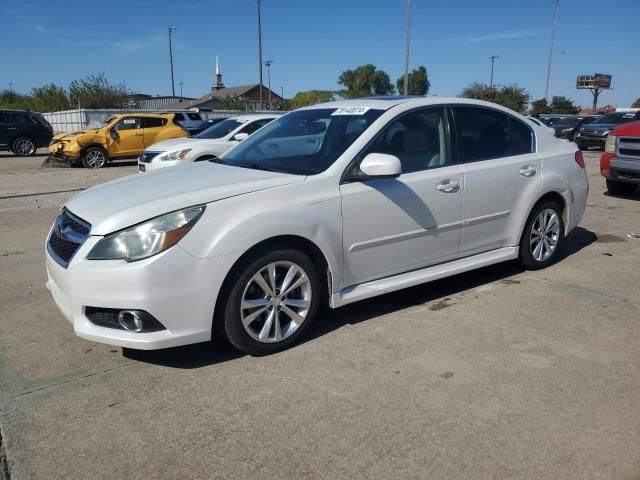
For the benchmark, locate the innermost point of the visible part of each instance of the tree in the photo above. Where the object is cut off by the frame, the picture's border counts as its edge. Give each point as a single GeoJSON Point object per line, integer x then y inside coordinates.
{"type": "Point", "coordinates": [49, 98]}
{"type": "Point", "coordinates": [234, 102]}
{"type": "Point", "coordinates": [510, 96]}
{"type": "Point", "coordinates": [418, 82]}
{"type": "Point", "coordinates": [562, 105]}
{"type": "Point", "coordinates": [311, 97]}
{"type": "Point", "coordinates": [540, 107]}
{"type": "Point", "coordinates": [95, 91]}
{"type": "Point", "coordinates": [636, 104]}
{"type": "Point", "coordinates": [11, 99]}
{"type": "Point", "coordinates": [365, 81]}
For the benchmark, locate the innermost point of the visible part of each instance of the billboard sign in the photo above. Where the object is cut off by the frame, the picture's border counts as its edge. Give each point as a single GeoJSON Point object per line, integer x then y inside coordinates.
{"type": "Point", "coordinates": [602, 80]}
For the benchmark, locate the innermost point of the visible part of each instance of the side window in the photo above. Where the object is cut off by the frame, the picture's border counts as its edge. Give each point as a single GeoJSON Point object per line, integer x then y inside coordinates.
{"type": "Point", "coordinates": [179, 117]}
{"type": "Point", "coordinates": [152, 122]}
{"type": "Point", "coordinates": [194, 116]}
{"type": "Point", "coordinates": [22, 118]}
{"type": "Point", "coordinates": [418, 139]}
{"type": "Point", "coordinates": [129, 123]}
{"type": "Point", "coordinates": [4, 117]}
{"type": "Point", "coordinates": [482, 133]}
{"type": "Point", "coordinates": [254, 126]}
{"type": "Point", "coordinates": [522, 137]}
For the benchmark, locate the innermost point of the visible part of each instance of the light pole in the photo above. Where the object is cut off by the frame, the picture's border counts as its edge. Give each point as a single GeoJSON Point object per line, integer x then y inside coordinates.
{"type": "Point", "coordinates": [180, 83]}
{"type": "Point", "coordinates": [267, 63]}
{"type": "Point", "coordinates": [553, 41]}
{"type": "Point", "coordinates": [260, 51]}
{"type": "Point", "coordinates": [173, 85]}
{"type": "Point", "coordinates": [406, 52]}
{"type": "Point", "coordinates": [282, 92]}
{"type": "Point", "coordinates": [493, 60]}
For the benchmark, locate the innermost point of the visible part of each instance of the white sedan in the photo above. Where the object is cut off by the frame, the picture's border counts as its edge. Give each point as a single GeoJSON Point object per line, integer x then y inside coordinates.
{"type": "Point", "coordinates": [208, 144]}
{"type": "Point", "coordinates": [327, 205]}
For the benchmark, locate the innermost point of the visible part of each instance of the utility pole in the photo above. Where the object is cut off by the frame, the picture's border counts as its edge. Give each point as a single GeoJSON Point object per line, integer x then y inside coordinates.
{"type": "Point", "coordinates": [282, 92]}
{"type": "Point", "coordinates": [173, 85]}
{"type": "Point", "coordinates": [406, 52]}
{"type": "Point", "coordinates": [267, 63]}
{"type": "Point", "coordinates": [260, 51]}
{"type": "Point", "coordinates": [180, 83]}
{"type": "Point", "coordinates": [493, 60]}
{"type": "Point", "coordinates": [553, 41]}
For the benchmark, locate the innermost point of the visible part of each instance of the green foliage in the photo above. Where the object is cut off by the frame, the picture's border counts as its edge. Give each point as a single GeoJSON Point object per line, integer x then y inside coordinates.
{"type": "Point", "coordinates": [510, 96]}
{"type": "Point", "coordinates": [11, 99]}
{"type": "Point", "coordinates": [636, 104]}
{"type": "Point", "coordinates": [365, 81]}
{"type": "Point", "coordinates": [311, 97]}
{"type": "Point", "coordinates": [563, 105]}
{"type": "Point", "coordinates": [234, 102]}
{"type": "Point", "coordinates": [540, 107]}
{"type": "Point", "coordinates": [282, 105]}
{"type": "Point", "coordinates": [418, 82]}
{"type": "Point", "coordinates": [49, 98]}
{"type": "Point", "coordinates": [95, 91]}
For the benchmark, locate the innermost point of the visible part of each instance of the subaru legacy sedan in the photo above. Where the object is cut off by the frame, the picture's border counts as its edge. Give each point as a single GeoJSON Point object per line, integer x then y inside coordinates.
{"type": "Point", "coordinates": [327, 205]}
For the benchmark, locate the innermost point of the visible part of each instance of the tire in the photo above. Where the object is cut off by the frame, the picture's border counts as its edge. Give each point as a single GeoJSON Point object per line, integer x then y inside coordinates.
{"type": "Point", "coordinates": [94, 157]}
{"type": "Point", "coordinates": [620, 188]}
{"type": "Point", "coordinates": [539, 251]}
{"type": "Point", "coordinates": [250, 284]}
{"type": "Point", "coordinates": [24, 147]}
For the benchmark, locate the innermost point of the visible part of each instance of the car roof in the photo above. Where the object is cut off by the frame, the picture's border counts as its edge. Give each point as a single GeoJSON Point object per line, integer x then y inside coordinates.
{"type": "Point", "coordinates": [255, 116]}
{"type": "Point", "coordinates": [15, 110]}
{"type": "Point", "coordinates": [133, 114]}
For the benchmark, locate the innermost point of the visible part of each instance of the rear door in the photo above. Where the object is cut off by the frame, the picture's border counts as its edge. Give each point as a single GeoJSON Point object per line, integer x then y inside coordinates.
{"type": "Point", "coordinates": [130, 139]}
{"type": "Point", "coordinates": [151, 128]}
{"type": "Point", "coordinates": [501, 172]}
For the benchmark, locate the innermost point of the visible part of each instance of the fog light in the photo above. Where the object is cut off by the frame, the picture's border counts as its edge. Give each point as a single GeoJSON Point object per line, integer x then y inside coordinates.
{"type": "Point", "coordinates": [130, 320]}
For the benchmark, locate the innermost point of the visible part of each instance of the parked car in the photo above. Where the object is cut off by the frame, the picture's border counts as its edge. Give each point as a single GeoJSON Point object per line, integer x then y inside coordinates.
{"type": "Point", "coordinates": [330, 204]}
{"type": "Point", "coordinates": [190, 120]}
{"type": "Point", "coordinates": [586, 120]}
{"type": "Point", "coordinates": [23, 132]}
{"type": "Point", "coordinates": [202, 126]}
{"type": "Point", "coordinates": [620, 162]}
{"type": "Point", "coordinates": [566, 126]}
{"type": "Point", "coordinates": [549, 121]}
{"type": "Point", "coordinates": [122, 136]}
{"type": "Point", "coordinates": [595, 134]}
{"type": "Point", "coordinates": [206, 145]}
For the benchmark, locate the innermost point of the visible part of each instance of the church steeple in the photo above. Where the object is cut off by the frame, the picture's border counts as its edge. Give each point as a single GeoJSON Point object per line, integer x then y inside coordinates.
{"type": "Point", "coordinates": [219, 83]}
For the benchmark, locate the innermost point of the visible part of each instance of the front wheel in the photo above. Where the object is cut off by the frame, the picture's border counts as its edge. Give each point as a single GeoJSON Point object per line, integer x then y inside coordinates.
{"type": "Point", "coordinates": [620, 188]}
{"type": "Point", "coordinates": [24, 147]}
{"type": "Point", "coordinates": [542, 236]}
{"type": "Point", "coordinates": [94, 157]}
{"type": "Point", "coordinates": [273, 300]}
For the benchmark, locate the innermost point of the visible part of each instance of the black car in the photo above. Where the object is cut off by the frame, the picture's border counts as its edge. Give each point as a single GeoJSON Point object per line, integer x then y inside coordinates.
{"type": "Point", "coordinates": [549, 121]}
{"type": "Point", "coordinates": [595, 134]}
{"type": "Point", "coordinates": [23, 132]}
{"type": "Point", "coordinates": [566, 127]}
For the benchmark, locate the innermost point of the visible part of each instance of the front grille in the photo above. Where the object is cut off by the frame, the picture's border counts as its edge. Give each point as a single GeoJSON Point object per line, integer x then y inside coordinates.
{"type": "Point", "coordinates": [146, 157]}
{"type": "Point", "coordinates": [67, 236]}
{"type": "Point", "coordinates": [629, 152]}
{"type": "Point", "coordinates": [629, 140]}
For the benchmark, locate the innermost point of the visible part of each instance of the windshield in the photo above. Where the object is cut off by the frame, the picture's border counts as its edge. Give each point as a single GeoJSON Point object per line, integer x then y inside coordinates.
{"type": "Point", "coordinates": [305, 142]}
{"type": "Point", "coordinates": [568, 121]}
{"type": "Point", "coordinates": [219, 130]}
{"type": "Point", "coordinates": [615, 118]}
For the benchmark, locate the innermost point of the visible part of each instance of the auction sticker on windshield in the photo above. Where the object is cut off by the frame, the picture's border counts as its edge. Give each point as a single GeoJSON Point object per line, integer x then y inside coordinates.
{"type": "Point", "coordinates": [351, 111]}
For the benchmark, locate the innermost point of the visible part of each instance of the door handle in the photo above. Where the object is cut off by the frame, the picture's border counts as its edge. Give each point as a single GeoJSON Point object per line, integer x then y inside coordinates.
{"type": "Point", "coordinates": [12, 128]}
{"type": "Point", "coordinates": [528, 171]}
{"type": "Point", "coordinates": [449, 186]}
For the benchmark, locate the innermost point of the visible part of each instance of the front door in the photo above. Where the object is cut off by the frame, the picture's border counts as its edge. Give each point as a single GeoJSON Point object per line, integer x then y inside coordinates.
{"type": "Point", "coordinates": [130, 139]}
{"type": "Point", "coordinates": [152, 127]}
{"type": "Point", "coordinates": [501, 170]}
{"type": "Point", "coordinates": [396, 225]}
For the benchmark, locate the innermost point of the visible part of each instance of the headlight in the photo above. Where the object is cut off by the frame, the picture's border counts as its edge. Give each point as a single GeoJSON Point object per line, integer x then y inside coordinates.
{"type": "Point", "coordinates": [605, 132]}
{"type": "Point", "coordinates": [610, 144]}
{"type": "Point", "coordinates": [567, 130]}
{"type": "Point", "coordinates": [147, 239]}
{"type": "Point", "coordinates": [174, 155]}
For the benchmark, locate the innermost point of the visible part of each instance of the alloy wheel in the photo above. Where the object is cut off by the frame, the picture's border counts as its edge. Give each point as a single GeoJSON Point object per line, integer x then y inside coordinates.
{"type": "Point", "coordinates": [275, 302]}
{"type": "Point", "coordinates": [545, 234]}
{"type": "Point", "coordinates": [95, 159]}
{"type": "Point", "coordinates": [25, 147]}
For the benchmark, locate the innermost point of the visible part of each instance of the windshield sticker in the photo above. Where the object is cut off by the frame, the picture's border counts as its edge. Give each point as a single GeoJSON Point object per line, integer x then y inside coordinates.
{"type": "Point", "coordinates": [129, 120]}
{"type": "Point", "coordinates": [351, 111]}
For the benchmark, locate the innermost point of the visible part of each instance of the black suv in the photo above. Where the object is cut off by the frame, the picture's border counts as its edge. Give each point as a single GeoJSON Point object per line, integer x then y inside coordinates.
{"type": "Point", "coordinates": [23, 132]}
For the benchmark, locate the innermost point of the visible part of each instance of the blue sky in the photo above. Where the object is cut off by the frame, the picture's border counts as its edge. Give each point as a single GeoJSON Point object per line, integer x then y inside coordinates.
{"type": "Point", "coordinates": [312, 42]}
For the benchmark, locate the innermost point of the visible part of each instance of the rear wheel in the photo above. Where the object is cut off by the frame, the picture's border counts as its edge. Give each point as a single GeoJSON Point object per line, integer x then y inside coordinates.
{"type": "Point", "coordinates": [94, 157]}
{"type": "Point", "coordinates": [273, 299]}
{"type": "Point", "coordinates": [24, 147]}
{"type": "Point", "coordinates": [542, 236]}
{"type": "Point", "coordinates": [620, 188]}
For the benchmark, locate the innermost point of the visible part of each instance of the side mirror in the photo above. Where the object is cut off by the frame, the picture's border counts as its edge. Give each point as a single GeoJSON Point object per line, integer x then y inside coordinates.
{"type": "Point", "coordinates": [381, 165]}
{"type": "Point", "coordinates": [114, 134]}
{"type": "Point", "coordinates": [240, 136]}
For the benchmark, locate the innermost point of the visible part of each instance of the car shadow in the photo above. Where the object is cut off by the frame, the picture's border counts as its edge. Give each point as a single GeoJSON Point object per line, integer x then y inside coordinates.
{"type": "Point", "coordinates": [436, 292]}
{"type": "Point", "coordinates": [635, 195]}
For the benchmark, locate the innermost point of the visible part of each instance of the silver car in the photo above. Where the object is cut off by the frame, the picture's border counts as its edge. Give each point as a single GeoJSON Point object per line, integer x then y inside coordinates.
{"type": "Point", "coordinates": [330, 204]}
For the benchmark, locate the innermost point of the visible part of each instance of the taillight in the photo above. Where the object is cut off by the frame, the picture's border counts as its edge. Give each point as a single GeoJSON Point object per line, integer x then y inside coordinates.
{"type": "Point", "coordinates": [579, 158]}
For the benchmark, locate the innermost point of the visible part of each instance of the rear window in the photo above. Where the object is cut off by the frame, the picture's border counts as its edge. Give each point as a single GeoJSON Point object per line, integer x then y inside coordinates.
{"type": "Point", "coordinates": [152, 122]}
{"type": "Point", "coordinates": [194, 116]}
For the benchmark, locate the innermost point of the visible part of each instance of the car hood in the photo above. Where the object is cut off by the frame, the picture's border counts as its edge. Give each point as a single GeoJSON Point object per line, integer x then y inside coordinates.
{"type": "Point", "coordinates": [631, 129]}
{"type": "Point", "coordinates": [76, 135]}
{"type": "Point", "coordinates": [130, 200]}
{"type": "Point", "coordinates": [598, 126]}
{"type": "Point", "coordinates": [178, 143]}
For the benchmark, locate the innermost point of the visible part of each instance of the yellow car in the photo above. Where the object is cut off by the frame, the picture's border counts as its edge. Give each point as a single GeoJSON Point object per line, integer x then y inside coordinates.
{"type": "Point", "coordinates": [122, 136]}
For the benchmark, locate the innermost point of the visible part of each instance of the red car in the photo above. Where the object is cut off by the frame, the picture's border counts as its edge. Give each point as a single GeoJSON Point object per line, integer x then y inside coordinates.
{"type": "Point", "coordinates": [620, 162]}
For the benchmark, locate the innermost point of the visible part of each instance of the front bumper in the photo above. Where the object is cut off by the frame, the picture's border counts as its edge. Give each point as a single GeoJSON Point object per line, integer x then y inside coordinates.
{"type": "Point", "coordinates": [178, 289]}
{"type": "Point", "coordinates": [620, 169]}
{"type": "Point", "coordinates": [588, 141]}
{"type": "Point", "coordinates": [62, 158]}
